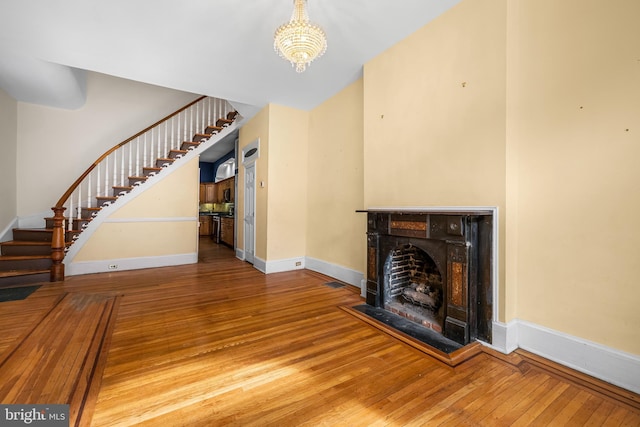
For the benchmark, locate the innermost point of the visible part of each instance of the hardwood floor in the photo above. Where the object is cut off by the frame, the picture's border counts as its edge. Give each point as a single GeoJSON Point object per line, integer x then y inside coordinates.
{"type": "Point", "coordinates": [218, 343]}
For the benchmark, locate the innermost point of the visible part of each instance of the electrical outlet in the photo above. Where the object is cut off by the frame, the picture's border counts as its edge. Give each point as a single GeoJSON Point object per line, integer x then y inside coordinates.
{"type": "Point", "coordinates": [113, 266]}
{"type": "Point", "coordinates": [298, 263]}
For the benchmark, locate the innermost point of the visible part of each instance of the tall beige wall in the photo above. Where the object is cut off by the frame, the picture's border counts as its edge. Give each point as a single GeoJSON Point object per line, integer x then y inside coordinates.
{"type": "Point", "coordinates": [287, 183]}
{"type": "Point", "coordinates": [161, 221]}
{"type": "Point", "coordinates": [63, 143]}
{"type": "Point", "coordinates": [335, 232]}
{"type": "Point", "coordinates": [8, 148]}
{"type": "Point", "coordinates": [574, 102]}
{"type": "Point", "coordinates": [435, 116]}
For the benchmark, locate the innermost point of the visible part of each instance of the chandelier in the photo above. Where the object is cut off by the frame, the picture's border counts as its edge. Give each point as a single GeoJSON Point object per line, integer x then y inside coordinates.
{"type": "Point", "coordinates": [299, 41]}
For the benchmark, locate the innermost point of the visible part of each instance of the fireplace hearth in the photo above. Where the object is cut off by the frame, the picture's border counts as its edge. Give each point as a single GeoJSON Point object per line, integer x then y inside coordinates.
{"type": "Point", "coordinates": [433, 268]}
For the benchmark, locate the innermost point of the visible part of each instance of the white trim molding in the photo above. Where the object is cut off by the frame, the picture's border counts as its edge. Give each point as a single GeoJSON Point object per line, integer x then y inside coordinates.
{"type": "Point", "coordinates": [504, 336]}
{"type": "Point", "coordinates": [7, 233]}
{"type": "Point", "coordinates": [338, 272]}
{"type": "Point", "coordinates": [121, 264]}
{"type": "Point", "coordinates": [280, 265]}
{"type": "Point", "coordinates": [36, 220]}
{"type": "Point", "coordinates": [605, 363]}
{"type": "Point", "coordinates": [344, 274]}
{"type": "Point", "coordinates": [260, 264]}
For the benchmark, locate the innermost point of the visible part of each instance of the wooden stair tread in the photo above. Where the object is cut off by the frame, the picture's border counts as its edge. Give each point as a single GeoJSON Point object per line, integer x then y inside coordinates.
{"type": "Point", "coordinates": [25, 243]}
{"type": "Point", "coordinates": [23, 257]}
{"type": "Point", "coordinates": [223, 122]}
{"type": "Point", "coordinates": [166, 159]}
{"type": "Point", "coordinates": [18, 273]}
{"type": "Point", "coordinates": [177, 153]}
{"type": "Point", "coordinates": [211, 129]}
{"type": "Point", "coordinates": [31, 242]}
{"type": "Point", "coordinates": [39, 230]}
{"type": "Point", "coordinates": [199, 137]}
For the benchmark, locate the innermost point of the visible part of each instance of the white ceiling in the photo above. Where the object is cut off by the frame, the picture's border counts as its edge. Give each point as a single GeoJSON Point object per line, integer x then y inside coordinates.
{"type": "Point", "coordinates": [208, 47]}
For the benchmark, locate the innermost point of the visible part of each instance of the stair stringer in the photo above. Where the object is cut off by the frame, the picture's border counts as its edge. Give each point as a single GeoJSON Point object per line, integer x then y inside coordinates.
{"type": "Point", "coordinates": [72, 268]}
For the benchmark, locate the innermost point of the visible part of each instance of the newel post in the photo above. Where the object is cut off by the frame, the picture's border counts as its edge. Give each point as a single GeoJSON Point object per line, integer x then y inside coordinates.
{"type": "Point", "coordinates": [58, 244]}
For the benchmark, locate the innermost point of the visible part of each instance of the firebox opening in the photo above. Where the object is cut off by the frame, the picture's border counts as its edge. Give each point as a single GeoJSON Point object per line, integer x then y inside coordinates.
{"type": "Point", "coordinates": [413, 287]}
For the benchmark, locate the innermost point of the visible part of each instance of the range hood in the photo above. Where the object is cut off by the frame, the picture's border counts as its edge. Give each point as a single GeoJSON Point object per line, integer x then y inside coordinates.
{"type": "Point", "coordinates": [226, 170]}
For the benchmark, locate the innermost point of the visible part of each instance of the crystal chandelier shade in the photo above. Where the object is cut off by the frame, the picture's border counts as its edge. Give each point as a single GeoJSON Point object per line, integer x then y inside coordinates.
{"type": "Point", "coordinates": [300, 41]}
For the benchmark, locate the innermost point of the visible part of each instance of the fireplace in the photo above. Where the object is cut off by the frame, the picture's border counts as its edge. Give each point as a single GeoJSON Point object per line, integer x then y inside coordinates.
{"type": "Point", "coordinates": [433, 268]}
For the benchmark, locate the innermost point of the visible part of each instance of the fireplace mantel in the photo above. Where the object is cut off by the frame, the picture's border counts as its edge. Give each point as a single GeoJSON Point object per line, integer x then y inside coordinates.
{"type": "Point", "coordinates": [459, 241]}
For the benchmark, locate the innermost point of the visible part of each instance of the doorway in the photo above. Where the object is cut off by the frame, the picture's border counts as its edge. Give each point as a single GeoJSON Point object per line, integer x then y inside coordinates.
{"type": "Point", "coordinates": [249, 156]}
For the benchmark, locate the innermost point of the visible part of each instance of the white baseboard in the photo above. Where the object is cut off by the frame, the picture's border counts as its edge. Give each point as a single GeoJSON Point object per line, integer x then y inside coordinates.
{"type": "Point", "coordinates": [260, 264]}
{"type": "Point", "coordinates": [608, 364]}
{"type": "Point", "coordinates": [35, 220]}
{"type": "Point", "coordinates": [240, 254]}
{"type": "Point", "coordinates": [504, 336]}
{"type": "Point", "coordinates": [338, 272]}
{"type": "Point", "coordinates": [7, 233]}
{"type": "Point", "coordinates": [344, 274]}
{"type": "Point", "coordinates": [605, 363]}
{"type": "Point", "coordinates": [278, 266]}
{"type": "Point", "coordinates": [103, 266]}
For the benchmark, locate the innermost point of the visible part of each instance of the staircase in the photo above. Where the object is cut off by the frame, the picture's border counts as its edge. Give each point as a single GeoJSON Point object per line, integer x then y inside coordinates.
{"type": "Point", "coordinates": [35, 255]}
{"type": "Point", "coordinates": [27, 258]}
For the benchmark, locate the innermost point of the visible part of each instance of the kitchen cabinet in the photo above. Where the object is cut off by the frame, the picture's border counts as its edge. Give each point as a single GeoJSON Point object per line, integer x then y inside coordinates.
{"type": "Point", "coordinates": [226, 230]}
{"type": "Point", "coordinates": [205, 225]}
{"type": "Point", "coordinates": [208, 192]}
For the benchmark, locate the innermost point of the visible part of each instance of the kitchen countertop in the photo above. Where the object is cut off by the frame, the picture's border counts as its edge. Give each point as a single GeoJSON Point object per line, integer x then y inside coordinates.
{"type": "Point", "coordinates": [224, 214]}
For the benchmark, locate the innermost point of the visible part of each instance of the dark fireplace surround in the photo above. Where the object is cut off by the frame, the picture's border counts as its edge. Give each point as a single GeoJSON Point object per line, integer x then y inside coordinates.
{"type": "Point", "coordinates": [433, 268]}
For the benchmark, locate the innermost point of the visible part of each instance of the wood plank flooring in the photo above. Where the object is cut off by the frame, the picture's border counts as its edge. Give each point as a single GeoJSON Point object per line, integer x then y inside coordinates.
{"type": "Point", "coordinates": [218, 343]}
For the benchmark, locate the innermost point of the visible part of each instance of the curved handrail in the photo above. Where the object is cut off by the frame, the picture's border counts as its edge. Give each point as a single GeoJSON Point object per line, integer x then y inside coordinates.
{"type": "Point", "coordinates": [75, 185]}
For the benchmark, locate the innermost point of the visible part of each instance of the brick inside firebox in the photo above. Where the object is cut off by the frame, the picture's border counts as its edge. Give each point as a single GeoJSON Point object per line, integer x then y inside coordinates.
{"type": "Point", "coordinates": [413, 287]}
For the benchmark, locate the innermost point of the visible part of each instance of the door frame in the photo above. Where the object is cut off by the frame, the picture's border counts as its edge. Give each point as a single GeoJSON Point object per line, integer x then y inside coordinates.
{"type": "Point", "coordinates": [250, 154]}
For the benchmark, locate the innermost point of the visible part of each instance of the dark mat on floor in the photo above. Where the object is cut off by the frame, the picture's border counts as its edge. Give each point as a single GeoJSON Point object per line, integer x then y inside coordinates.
{"type": "Point", "coordinates": [16, 294]}
{"type": "Point", "coordinates": [410, 328]}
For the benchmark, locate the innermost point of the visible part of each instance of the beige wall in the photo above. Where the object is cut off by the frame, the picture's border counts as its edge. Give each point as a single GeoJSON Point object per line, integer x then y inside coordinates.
{"type": "Point", "coordinates": [8, 150]}
{"type": "Point", "coordinates": [574, 102]}
{"type": "Point", "coordinates": [163, 220]}
{"type": "Point", "coordinates": [281, 194]}
{"type": "Point", "coordinates": [287, 182]}
{"type": "Point", "coordinates": [335, 232]}
{"type": "Point", "coordinates": [435, 116]}
{"type": "Point", "coordinates": [49, 137]}
{"type": "Point", "coordinates": [256, 128]}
